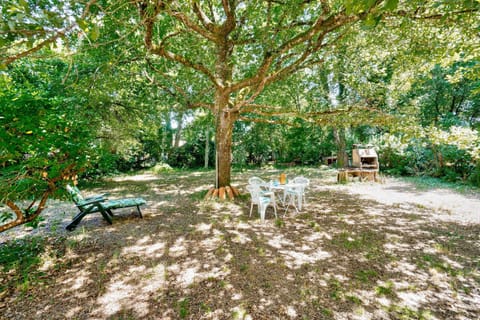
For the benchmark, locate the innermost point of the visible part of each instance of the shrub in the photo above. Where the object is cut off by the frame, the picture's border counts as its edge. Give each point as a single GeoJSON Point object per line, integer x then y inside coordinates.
{"type": "Point", "coordinates": [161, 167]}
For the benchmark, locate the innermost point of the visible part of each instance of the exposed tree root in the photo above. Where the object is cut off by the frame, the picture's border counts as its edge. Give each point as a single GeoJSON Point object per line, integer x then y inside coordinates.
{"type": "Point", "coordinates": [222, 193]}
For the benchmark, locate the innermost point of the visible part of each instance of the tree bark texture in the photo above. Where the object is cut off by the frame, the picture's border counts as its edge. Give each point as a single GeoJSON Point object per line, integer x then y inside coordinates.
{"type": "Point", "coordinates": [207, 147]}
{"type": "Point", "coordinates": [223, 137]}
{"type": "Point", "coordinates": [178, 132]}
{"type": "Point", "coordinates": [342, 156]}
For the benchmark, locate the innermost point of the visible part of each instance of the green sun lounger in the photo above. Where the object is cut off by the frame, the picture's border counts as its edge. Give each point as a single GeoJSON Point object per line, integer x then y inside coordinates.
{"type": "Point", "coordinates": [100, 204]}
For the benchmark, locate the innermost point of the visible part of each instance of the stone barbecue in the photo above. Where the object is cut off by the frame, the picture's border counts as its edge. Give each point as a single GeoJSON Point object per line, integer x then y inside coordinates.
{"type": "Point", "coordinates": [364, 157]}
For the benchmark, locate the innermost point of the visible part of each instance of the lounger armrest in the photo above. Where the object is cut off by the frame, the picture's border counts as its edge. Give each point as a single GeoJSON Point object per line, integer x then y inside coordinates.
{"type": "Point", "coordinates": [97, 196]}
{"type": "Point", "coordinates": [88, 201]}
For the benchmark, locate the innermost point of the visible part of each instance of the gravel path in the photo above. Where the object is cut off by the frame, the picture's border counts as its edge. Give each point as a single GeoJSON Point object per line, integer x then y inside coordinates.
{"type": "Point", "coordinates": [446, 205]}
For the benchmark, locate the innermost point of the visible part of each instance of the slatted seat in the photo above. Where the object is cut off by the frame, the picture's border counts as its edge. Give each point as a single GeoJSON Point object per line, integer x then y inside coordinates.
{"type": "Point", "coordinates": [100, 204]}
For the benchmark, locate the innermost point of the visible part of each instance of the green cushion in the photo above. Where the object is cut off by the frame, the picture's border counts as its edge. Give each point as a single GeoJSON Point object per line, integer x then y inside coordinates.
{"type": "Point", "coordinates": [107, 204]}
{"type": "Point", "coordinates": [123, 203]}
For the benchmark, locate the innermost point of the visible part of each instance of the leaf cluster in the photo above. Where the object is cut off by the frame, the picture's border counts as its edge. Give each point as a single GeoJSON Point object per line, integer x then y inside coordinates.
{"type": "Point", "coordinates": [44, 136]}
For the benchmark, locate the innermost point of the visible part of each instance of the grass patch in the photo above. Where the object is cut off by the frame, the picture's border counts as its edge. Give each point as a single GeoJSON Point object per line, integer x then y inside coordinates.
{"type": "Point", "coordinates": [305, 216]}
{"type": "Point", "coordinates": [336, 289]}
{"type": "Point", "coordinates": [183, 308]}
{"type": "Point", "coordinates": [199, 195]}
{"type": "Point", "coordinates": [428, 183]}
{"type": "Point", "coordinates": [366, 241]}
{"type": "Point", "coordinates": [244, 267]}
{"type": "Point", "coordinates": [354, 299]}
{"type": "Point", "coordinates": [431, 261]}
{"type": "Point", "coordinates": [161, 168]}
{"type": "Point", "coordinates": [405, 313]}
{"type": "Point", "coordinates": [327, 313]}
{"type": "Point", "coordinates": [20, 260]}
{"type": "Point", "coordinates": [385, 290]}
{"type": "Point", "coordinates": [366, 276]}
{"type": "Point", "coordinates": [279, 223]}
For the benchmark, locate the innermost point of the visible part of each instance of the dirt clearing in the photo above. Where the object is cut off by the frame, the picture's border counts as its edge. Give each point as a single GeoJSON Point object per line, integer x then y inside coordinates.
{"type": "Point", "coordinates": [356, 251]}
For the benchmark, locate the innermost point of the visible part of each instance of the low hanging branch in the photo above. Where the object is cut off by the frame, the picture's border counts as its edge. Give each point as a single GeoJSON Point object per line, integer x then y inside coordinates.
{"type": "Point", "coordinates": [268, 121]}
{"type": "Point", "coordinates": [25, 216]}
{"type": "Point", "coordinates": [8, 60]}
{"type": "Point", "coordinates": [5, 61]}
{"type": "Point", "coordinates": [256, 114]}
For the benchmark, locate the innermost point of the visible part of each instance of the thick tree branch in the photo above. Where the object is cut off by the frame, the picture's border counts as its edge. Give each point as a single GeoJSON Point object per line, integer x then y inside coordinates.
{"type": "Point", "coordinates": [206, 22]}
{"type": "Point", "coordinates": [25, 32]}
{"type": "Point", "coordinates": [210, 7]}
{"type": "Point", "coordinates": [193, 26]}
{"type": "Point", "coordinates": [435, 16]}
{"type": "Point", "coordinates": [333, 24]}
{"type": "Point", "coordinates": [178, 90]}
{"type": "Point", "coordinates": [319, 117]}
{"type": "Point", "coordinates": [321, 28]}
{"type": "Point", "coordinates": [21, 218]}
{"type": "Point", "coordinates": [341, 111]}
{"type": "Point", "coordinates": [230, 23]}
{"type": "Point", "coordinates": [255, 108]}
{"type": "Point", "coordinates": [58, 34]}
{"type": "Point", "coordinates": [269, 121]}
{"type": "Point", "coordinates": [25, 216]}
{"type": "Point", "coordinates": [8, 60]}
{"type": "Point", "coordinates": [273, 114]}
{"type": "Point", "coordinates": [149, 22]}
{"type": "Point", "coordinates": [184, 61]}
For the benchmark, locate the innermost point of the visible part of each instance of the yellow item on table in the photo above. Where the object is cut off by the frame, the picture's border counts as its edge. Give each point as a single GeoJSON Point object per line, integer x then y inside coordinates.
{"type": "Point", "coordinates": [283, 178]}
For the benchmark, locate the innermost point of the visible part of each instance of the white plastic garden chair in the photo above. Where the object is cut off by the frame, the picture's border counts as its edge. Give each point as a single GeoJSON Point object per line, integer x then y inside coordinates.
{"type": "Point", "coordinates": [257, 181]}
{"type": "Point", "coordinates": [305, 182]}
{"type": "Point", "coordinates": [293, 197]}
{"type": "Point", "coordinates": [262, 199]}
{"type": "Point", "coordinates": [265, 188]}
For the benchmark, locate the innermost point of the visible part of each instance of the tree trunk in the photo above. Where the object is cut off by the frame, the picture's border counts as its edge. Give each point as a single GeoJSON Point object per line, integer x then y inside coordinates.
{"type": "Point", "coordinates": [166, 137]}
{"type": "Point", "coordinates": [223, 138]}
{"type": "Point", "coordinates": [438, 159]}
{"type": "Point", "coordinates": [178, 132]}
{"type": "Point", "coordinates": [342, 156]}
{"type": "Point", "coordinates": [225, 119]}
{"type": "Point", "coordinates": [207, 147]}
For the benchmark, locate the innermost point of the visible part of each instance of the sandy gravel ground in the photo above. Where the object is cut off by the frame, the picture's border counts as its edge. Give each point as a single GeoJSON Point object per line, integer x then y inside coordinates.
{"type": "Point", "coordinates": [445, 204]}
{"type": "Point", "coordinates": [362, 250]}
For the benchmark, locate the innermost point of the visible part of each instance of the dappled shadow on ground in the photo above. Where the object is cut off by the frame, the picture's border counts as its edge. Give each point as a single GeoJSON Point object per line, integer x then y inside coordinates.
{"type": "Point", "coordinates": [340, 258]}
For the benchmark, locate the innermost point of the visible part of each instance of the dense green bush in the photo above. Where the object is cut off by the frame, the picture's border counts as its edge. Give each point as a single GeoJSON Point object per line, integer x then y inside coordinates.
{"type": "Point", "coordinates": [44, 136]}
{"type": "Point", "coordinates": [474, 177]}
{"type": "Point", "coordinates": [190, 155]}
{"type": "Point", "coordinates": [448, 155]}
{"type": "Point", "coordinates": [102, 163]}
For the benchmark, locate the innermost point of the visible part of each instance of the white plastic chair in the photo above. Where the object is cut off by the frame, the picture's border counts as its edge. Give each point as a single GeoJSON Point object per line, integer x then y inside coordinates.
{"type": "Point", "coordinates": [265, 188]}
{"type": "Point", "coordinates": [262, 199]}
{"type": "Point", "coordinates": [293, 197]}
{"type": "Point", "coordinates": [305, 182]}
{"type": "Point", "coordinates": [257, 181]}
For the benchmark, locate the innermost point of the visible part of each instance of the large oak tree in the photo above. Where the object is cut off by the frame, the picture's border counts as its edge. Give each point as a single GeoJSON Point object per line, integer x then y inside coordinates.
{"type": "Point", "coordinates": [241, 47]}
{"type": "Point", "coordinates": [236, 48]}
